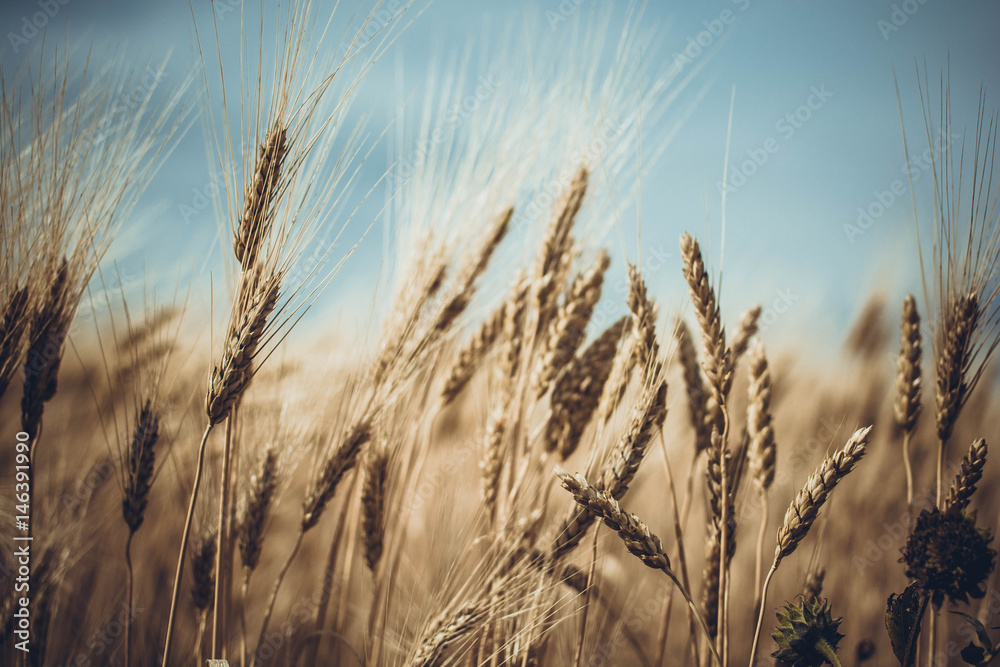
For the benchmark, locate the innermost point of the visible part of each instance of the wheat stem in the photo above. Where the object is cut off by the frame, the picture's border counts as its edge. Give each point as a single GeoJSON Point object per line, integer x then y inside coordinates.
{"type": "Point", "coordinates": [184, 541]}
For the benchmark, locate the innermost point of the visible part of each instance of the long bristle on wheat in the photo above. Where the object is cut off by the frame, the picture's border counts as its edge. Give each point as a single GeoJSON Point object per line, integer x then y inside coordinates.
{"type": "Point", "coordinates": [46, 335]}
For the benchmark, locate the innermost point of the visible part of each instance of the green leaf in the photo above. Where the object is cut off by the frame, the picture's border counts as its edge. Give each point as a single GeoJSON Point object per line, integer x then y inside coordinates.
{"type": "Point", "coordinates": [901, 620]}
{"type": "Point", "coordinates": [984, 638]}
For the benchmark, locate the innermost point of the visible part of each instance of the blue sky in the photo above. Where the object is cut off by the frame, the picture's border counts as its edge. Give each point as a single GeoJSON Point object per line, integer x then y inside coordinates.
{"type": "Point", "coordinates": [815, 136]}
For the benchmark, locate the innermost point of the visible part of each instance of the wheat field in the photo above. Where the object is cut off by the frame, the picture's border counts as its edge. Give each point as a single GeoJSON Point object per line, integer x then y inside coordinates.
{"type": "Point", "coordinates": [512, 453]}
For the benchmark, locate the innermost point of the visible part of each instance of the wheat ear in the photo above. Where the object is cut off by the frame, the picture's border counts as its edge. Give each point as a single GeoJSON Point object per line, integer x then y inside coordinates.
{"type": "Point", "coordinates": [203, 586]}
{"type": "Point", "coordinates": [908, 385]}
{"type": "Point", "coordinates": [444, 632]}
{"type": "Point", "coordinates": [951, 370]}
{"type": "Point", "coordinates": [746, 331]}
{"type": "Point", "coordinates": [578, 391]}
{"type": "Point", "coordinates": [470, 356]}
{"type": "Point", "coordinates": [569, 325]}
{"type": "Point", "coordinates": [373, 493]}
{"type": "Point", "coordinates": [647, 417]}
{"type": "Point", "coordinates": [140, 460]}
{"type": "Point", "coordinates": [647, 350]}
{"type": "Point", "coordinates": [554, 256]}
{"type": "Point", "coordinates": [694, 387]}
{"type": "Point", "coordinates": [261, 193]}
{"type": "Point", "coordinates": [635, 534]}
{"type": "Point", "coordinates": [762, 450]}
{"type": "Point", "coordinates": [960, 493]}
{"type": "Point", "coordinates": [257, 506]}
{"type": "Point", "coordinates": [718, 361]}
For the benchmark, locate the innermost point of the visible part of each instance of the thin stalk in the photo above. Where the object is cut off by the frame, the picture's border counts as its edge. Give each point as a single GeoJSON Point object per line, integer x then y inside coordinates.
{"type": "Point", "coordinates": [200, 639]}
{"type": "Point", "coordinates": [940, 471]}
{"type": "Point", "coordinates": [274, 591]}
{"type": "Point", "coordinates": [824, 648]}
{"type": "Point", "coordinates": [931, 638]}
{"type": "Point", "coordinates": [668, 601]}
{"type": "Point", "coordinates": [694, 609]}
{"type": "Point", "coordinates": [328, 576]}
{"type": "Point", "coordinates": [586, 603]}
{"type": "Point", "coordinates": [223, 540]}
{"type": "Point", "coordinates": [760, 613]}
{"type": "Point", "coordinates": [128, 626]}
{"type": "Point", "coordinates": [760, 547]}
{"type": "Point", "coordinates": [243, 618]}
{"type": "Point", "coordinates": [184, 543]}
{"type": "Point", "coordinates": [679, 538]}
{"type": "Point", "coordinates": [909, 469]}
{"type": "Point", "coordinates": [723, 631]}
